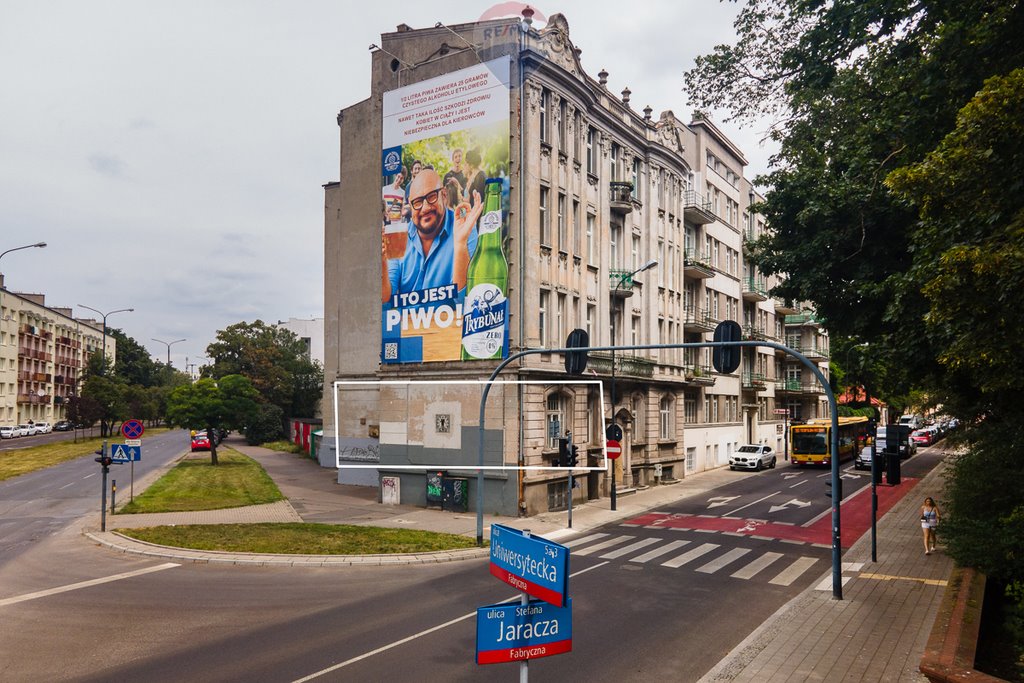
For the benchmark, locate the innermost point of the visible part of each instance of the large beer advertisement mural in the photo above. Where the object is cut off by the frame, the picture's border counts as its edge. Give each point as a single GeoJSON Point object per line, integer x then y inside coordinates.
{"type": "Point", "coordinates": [444, 205]}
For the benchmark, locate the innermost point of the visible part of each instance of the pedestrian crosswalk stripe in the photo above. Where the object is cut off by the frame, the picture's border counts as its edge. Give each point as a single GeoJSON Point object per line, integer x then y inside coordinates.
{"type": "Point", "coordinates": [793, 571]}
{"type": "Point", "coordinates": [690, 555]}
{"type": "Point", "coordinates": [584, 539]}
{"type": "Point", "coordinates": [659, 551]}
{"type": "Point", "coordinates": [719, 562]}
{"type": "Point", "coordinates": [602, 545]}
{"type": "Point", "coordinates": [642, 543]}
{"type": "Point", "coordinates": [756, 566]}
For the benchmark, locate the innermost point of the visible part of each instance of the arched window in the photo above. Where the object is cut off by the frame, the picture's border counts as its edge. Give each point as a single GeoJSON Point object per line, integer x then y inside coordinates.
{"type": "Point", "coordinates": [558, 417]}
{"type": "Point", "coordinates": [665, 422]}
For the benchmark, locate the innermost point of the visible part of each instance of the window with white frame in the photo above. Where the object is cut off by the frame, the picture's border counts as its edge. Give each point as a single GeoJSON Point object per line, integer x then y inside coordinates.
{"type": "Point", "coordinates": [555, 422]}
{"type": "Point", "coordinates": [637, 179]}
{"type": "Point", "coordinates": [639, 418]}
{"type": "Point", "coordinates": [591, 242]}
{"type": "Point", "coordinates": [635, 252]}
{"type": "Point", "coordinates": [615, 238]}
{"type": "Point", "coordinates": [563, 240]}
{"type": "Point", "coordinates": [690, 410]}
{"type": "Point", "coordinates": [576, 227]}
{"type": "Point", "coordinates": [545, 102]}
{"type": "Point", "coordinates": [591, 317]}
{"type": "Point", "coordinates": [634, 336]}
{"type": "Point", "coordinates": [545, 237]}
{"type": "Point", "coordinates": [543, 317]}
{"type": "Point", "coordinates": [591, 151]}
{"type": "Point", "coordinates": [665, 417]}
{"type": "Point", "coordinates": [563, 119]}
{"type": "Point", "coordinates": [559, 320]}
{"type": "Point", "coordinates": [691, 458]}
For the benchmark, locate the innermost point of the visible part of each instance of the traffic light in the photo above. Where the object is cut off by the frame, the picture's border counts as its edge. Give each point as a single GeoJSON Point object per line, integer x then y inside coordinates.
{"type": "Point", "coordinates": [103, 459]}
{"type": "Point", "coordinates": [576, 361]}
{"type": "Point", "coordinates": [563, 453]}
{"type": "Point", "coordinates": [574, 457]}
{"type": "Point", "coordinates": [727, 358]}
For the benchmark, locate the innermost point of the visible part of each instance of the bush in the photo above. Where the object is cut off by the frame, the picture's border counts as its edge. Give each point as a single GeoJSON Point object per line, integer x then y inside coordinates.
{"type": "Point", "coordinates": [268, 425]}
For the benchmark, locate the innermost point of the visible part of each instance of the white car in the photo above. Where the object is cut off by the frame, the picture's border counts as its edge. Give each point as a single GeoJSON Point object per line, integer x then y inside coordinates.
{"type": "Point", "coordinates": [27, 430]}
{"type": "Point", "coordinates": [752, 457]}
{"type": "Point", "coordinates": [44, 427]}
{"type": "Point", "coordinates": [8, 432]}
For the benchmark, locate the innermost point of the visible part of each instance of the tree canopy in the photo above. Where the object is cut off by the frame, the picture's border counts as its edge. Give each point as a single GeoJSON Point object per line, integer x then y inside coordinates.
{"type": "Point", "coordinates": [229, 403]}
{"type": "Point", "coordinates": [895, 208]}
{"type": "Point", "coordinates": [276, 362]}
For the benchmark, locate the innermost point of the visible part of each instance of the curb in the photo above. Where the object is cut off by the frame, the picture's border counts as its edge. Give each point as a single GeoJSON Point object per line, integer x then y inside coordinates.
{"type": "Point", "coordinates": [130, 546]}
{"type": "Point", "coordinates": [949, 655]}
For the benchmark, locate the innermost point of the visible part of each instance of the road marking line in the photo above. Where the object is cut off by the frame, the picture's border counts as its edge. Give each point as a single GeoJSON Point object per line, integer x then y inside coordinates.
{"type": "Point", "coordinates": [585, 539]}
{"type": "Point", "coordinates": [690, 556]}
{"type": "Point", "coordinates": [658, 552]}
{"type": "Point", "coordinates": [826, 583]}
{"type": "Point", "coordinates": [887, 577]}
{"type": "Point", "coordinates": [604, 544]}
{"type": "Point", "coordinates": [749, 571]}
{"type": "Point", "coordinates": [719, 562]}
{"type": "Point", "coordinates": [793, 571]}
{"type": "Point", "coordinates": [828, 510]}
{"type": "Point", "coordinates": [733, 512]}
{"type": "Point", "coordinates": [642, 543]}
{"type": "Point", "coordinates": [65, 486]}
{"type": "Point", "coordinates": [799, 483]}
{"type": "Point", "coordinates": [403, 641]}
{"type": "Point", "coordinates": [85, 584]}
{"type": "Point", "coordinates": [852, 566]}
{"type": "Point", "coordinates": [89, 475]}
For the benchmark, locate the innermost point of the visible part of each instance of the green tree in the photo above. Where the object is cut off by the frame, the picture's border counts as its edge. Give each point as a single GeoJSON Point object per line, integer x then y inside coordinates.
{"type": "Point", "coordinates": [108, 394]}
{"type": "Point", "coordinates": [133, 363]}
{"type": "Point", "coordinates": [276, 362]}
{"type": "Point", "coordinates": [230, 403]}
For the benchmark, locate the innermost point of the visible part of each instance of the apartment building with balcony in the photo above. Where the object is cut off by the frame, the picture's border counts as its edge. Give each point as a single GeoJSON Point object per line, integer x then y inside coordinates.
{"type": "Point", "coordinates": [597, 188]}
{"type": "Point", "coordinates": [43, 351]}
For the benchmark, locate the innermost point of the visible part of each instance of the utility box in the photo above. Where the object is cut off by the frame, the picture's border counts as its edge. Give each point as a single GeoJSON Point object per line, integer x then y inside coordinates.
{"type": "Point", "coordinates": [390, 490]}
{"type": "Point", "coordinates": [456, 494]}
{"type": "Point", "coordinates": [435, 489]}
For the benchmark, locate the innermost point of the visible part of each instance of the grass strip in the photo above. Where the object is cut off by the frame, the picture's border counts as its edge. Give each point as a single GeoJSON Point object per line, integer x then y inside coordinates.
{"type": "Point", "coordinates": [18, 461]}
{"type": "Point", "coordinates": [283, 446]}
{"type": "Point", "coordinates": [298, 538]}
{"type": "Point", "coordinates": [195, 484]}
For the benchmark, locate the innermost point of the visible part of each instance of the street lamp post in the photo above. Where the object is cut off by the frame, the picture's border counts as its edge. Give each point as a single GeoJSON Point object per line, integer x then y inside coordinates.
{"type": "Point", "coordinates": [104, 316]}
{"type": "Point", "coordinates": [622, 279]}
{"type": "Point", "coordinates": [168, 344]}
{"type": "Point", "coordinates": [27, 246]}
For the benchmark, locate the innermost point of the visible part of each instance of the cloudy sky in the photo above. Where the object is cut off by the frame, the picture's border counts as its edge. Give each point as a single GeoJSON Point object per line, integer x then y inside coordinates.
{"type": "Point", "coordinates": [172, 153]}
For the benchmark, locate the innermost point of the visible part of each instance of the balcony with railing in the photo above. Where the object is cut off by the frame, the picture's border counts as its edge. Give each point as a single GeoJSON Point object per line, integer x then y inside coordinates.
{"type": "Point", "coordinates": [697, 265]}
{"type": "Point", "coordinates": [40, 377]}
{"type": "Point", "coordinates": [621, 283]}
{"type": "Point", "coordinates": [626, 365]}
{"type": "Point", "coordinates": [697, 209]}
{"type": "Point", "coordinates": [700, 375]}
{"type": "Point", "coordinates": [697, 320]}
{"type": "Point", "coordinates": [754, 333]}
{"type": "Point", "coordinates": [786, 308]}
{"type": "Point", "coordinates": [620, 198]}
{"type": "Point", "coordinates": [796, 386]}
{"type": "Point", "coordinates": [754, 289]}
{"type": "Point", "coordinates": [809, 318]}
{"type": "Point", "coordinates": [34, 399]}
{"type": "Point", "coordinates": [754, 381]}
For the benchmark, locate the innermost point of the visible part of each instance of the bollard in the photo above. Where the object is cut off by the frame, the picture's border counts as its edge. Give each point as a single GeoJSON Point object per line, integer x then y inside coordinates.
{"type": "Point", "coordinates": [113, 495]}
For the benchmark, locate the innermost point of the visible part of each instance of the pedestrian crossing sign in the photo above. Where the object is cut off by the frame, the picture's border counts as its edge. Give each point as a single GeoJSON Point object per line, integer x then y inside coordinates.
{"type": "Point", "coordinates": [125, 453]}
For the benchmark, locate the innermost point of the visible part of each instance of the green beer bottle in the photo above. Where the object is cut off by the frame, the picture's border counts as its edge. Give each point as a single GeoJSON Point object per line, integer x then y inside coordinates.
{"type": "Point", "coordinates": [485, 310]}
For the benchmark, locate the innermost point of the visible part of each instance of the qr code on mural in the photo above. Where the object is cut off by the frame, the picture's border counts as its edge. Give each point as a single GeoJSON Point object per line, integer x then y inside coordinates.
{"type": "Point", "coordinates": [391, 351]}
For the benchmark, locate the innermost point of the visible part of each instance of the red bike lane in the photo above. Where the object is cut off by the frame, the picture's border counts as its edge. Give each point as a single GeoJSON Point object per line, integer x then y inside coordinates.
{"type": "Point", "coordinates": [855, 519]}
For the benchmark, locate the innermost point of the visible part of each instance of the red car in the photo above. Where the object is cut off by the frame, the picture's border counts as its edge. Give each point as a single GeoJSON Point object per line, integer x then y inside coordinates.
{"type": "Point", "coordinates": [200, 442]}
{"type": "Point", "coordinates": [923, 437]}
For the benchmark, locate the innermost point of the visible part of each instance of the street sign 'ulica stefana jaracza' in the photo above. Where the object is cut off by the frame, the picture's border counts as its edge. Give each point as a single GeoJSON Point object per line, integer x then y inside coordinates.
{"type": "Point", "coordinates": [530, 564]}
{"type": "Point", "coordinates": [516, 633]}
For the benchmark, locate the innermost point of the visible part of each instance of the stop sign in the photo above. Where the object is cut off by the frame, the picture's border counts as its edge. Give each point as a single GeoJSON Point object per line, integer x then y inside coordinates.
{"type": "Point", "coordinates": [614, 449]}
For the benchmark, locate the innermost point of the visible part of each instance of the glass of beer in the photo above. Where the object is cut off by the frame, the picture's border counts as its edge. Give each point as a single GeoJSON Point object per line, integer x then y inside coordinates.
{"type": "Point", "coordinates": [396, 236]}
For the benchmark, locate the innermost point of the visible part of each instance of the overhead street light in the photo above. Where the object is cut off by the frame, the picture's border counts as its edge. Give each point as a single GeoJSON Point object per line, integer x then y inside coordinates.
{"type": "Point", "coordinates": [622, 280]}
{"type": "Point", "coordinates": [104, 315]}
{"type": "Point", "coordinates": [27, 246]}
{"type": "Point", "coordinates": [168, 347]}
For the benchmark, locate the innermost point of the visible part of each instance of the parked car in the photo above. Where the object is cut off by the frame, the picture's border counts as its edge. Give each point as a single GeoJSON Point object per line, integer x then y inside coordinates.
{"type": "Point", "coordinates": [924, 436]}
{"type": "Point", "coordinates": [907, 445]}
{"type": "Point", "coordinates": [63, 426]}
{"type": "Point", "coordinates": [200, 442]}
{"type": "Point", "coordinates": [752, 457]}
{"type": "Point", "coordinates": [44, 427]}
{"type": "Point", "coordinates": [863, 459]}
{"type": "Point", "coordinates": [7, 432]}
{"type": "Point", "coordinates": [912, 421]}
{"type": "Point", "coordinates": [27, 430]}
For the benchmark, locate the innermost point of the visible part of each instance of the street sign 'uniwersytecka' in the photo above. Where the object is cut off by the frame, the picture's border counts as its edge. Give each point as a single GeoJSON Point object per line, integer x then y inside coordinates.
{"type": "Point", "coordinates": [515, 633]}
{"type": "Point", "coordinates": [530, 564]}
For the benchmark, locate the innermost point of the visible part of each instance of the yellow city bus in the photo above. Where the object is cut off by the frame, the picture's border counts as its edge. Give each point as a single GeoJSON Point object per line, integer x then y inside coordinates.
{"type": "Point", "coordinates": [811, 443]}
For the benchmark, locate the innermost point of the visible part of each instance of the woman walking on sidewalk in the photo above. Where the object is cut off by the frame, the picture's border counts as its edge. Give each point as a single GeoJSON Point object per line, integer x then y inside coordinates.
{"type": "Point", "coordinates": [929, 520]}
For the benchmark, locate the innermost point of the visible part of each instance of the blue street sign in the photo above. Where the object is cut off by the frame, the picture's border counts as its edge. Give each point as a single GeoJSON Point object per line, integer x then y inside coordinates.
{"type": "Point", "coordinates": [514, 633]}
{"type": "Point", "coordinates": [122, 453]}
{"type": "Point", "coordinates": [531, 564]}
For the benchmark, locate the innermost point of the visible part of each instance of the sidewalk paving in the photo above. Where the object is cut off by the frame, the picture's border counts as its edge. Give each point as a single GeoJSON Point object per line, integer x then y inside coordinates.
{"type": "Point", "coordinates": [878, 632]}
